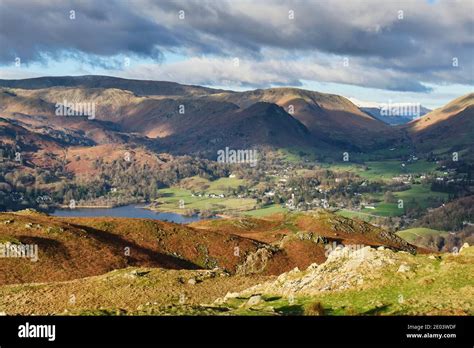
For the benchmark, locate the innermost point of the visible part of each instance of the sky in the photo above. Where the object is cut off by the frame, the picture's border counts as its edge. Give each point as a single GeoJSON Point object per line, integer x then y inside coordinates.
{"type": "Point", "coordinates": [385, 51]}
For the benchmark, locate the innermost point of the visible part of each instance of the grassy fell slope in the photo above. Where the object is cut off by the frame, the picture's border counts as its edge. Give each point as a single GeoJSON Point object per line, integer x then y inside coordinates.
{"type": "Point", "coordinates": [91, 246]}
{"type": "Point", "coordinates": [330, 118]}
{"type": "Point", "coordinates": [71, 248]}
{"type": "Point", "coordinates": [366, 282]}
{"type": "Point", "coordinates": [151, 108]}
{"type": "Point", "coordinates": [119, 114]}
{"type": "Point", "coordinates": [128, 291]}
{"type": "Point", "coordinates": [373, 282]}
{"type": "Point", "coordinates": [318, 119]}
{"type": "Point", "coordinates": [446, 129]}
{"type": "Point", "coordinates": [200, 273]}
{"type": "Point", "coordinates": [305, 238]}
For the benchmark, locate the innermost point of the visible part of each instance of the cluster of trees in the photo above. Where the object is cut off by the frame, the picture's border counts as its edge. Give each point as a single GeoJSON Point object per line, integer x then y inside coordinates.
{"type": "Point", "coordinates": [144, 180]}
{"type": "Point", "coordinates": [454, 216]}
{"type": "Point", "coordinates": [119, 182]}
{"type": "Point", "coordinates": [448, 243]}
{"type": "Point", "coordinates": [20, 180]}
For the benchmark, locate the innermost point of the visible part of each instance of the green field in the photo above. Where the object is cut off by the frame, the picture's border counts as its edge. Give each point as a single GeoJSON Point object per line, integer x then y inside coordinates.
{"type": "Point", "coordinates": [412, 233]}
{"type": "Point", "coordinates": [268, 210]}
{"type": "Point", "coordinates": [170, 198]}
{"type": "Point", "coordinates": [219, 186]}
{"type": "Point", "coordinates": [296, 154]}
{"type": "Point", "coordinates": [422, 194]}
{"type": "Point", "coordinates": [355, 214]}
{"type": "Point", "coordinates": [418, 195]}
{"type": "Point", "coordinates": [384, 170]}
{"type": "Point", "coordinates": [385, 209]}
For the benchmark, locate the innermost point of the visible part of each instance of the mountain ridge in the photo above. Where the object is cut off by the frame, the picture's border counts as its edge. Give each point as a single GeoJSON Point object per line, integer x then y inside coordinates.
{"type": "Point", "coordinates": [186, 119]}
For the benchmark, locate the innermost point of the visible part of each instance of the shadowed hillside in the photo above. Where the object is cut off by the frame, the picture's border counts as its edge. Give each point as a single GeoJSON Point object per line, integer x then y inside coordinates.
{"type": "Point", "coordinates": [91, 246]}
{"type": "Point", "coordinates": [449, 128]}
{"type": "Point", "coordinates": [178, 115]}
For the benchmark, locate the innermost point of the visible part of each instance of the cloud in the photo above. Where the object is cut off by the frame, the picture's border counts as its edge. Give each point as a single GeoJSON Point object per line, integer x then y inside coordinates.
{"type": "Point", "coordinates": [397, 45]}
{"type": "Point", "coordinates": [40, 30]}
{"type": "Point", "coordinates": [274, 72]}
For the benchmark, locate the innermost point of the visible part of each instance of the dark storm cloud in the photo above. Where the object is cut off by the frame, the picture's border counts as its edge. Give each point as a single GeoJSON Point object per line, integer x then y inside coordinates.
{"type": "Point", "coordinates": [387, 29]}
{"type": "Point", "coordinates": [36, 30]}
{"type": "Point", "coordinates": [413, 42]}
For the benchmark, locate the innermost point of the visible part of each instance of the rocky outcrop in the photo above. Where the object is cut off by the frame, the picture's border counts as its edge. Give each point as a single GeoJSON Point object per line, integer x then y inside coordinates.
{"type": "Point", "coordinates": [345, 268]}
{"type": "Point", "coordinates": [255, 262]}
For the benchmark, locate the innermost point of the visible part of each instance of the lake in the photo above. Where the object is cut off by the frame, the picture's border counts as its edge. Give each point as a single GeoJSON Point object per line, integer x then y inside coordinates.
{"type": "Point", "coordinates": [129, 211]}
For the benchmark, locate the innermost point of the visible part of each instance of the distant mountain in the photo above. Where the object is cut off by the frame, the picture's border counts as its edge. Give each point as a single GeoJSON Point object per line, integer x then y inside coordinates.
{"type": "Point", "coordinates": [173, 114]}
{"type": "Point", "coordinates": [139, 87]}
{"type": "Point", "coordinates": [330, 118]}
{"type": "Point", "coordinates": [391, 113]}
{"type": "Point", "coordinates": [179, 124]}
{"type": "Point", "coordinates": [181, 119]}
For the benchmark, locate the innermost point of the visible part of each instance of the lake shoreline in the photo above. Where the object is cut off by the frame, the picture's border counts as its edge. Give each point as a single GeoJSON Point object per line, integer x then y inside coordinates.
{"type": "Point", "coordinates": [109, 206]}
{"type": "Point", "coordinates": [127, 211]}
